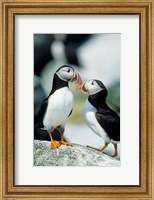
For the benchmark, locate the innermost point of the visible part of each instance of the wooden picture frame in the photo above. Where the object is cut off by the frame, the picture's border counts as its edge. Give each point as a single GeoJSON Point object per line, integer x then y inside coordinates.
{"type": "Point", "coordinates": [145, 10]}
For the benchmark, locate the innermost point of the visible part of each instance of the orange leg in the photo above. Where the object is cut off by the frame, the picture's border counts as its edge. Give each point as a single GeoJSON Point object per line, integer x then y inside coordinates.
{"type": "Point", "coordinates": [103, 147]}
{"type": "Point", "coordinates": [62, 140]}
{"type": "Point", "coordinates": [115, 151]}
{"type": "Point", "coordinates": [98, 149]}
{"type": "Point", "coordinates": [54, 144]}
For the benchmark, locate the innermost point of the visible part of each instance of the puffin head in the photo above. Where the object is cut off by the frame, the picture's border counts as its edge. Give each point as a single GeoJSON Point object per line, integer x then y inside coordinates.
{"type": "Point", "coordinates": [67, 73]}
{"type": "Point", "coordinates": [93, 87]}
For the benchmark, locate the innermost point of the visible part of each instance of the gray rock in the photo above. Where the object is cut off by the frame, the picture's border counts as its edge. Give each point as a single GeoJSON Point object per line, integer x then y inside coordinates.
{"type": "Point", "coordinates": [75, 155]}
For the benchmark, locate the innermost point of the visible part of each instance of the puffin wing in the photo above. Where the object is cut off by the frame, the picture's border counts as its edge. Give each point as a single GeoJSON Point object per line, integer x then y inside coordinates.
{"type": "Point", "coordinates": [42, 112]}
{"type": "Point", "coordinates": [70, 112]}
{"type": "Point", "coordinates": [110, 122]}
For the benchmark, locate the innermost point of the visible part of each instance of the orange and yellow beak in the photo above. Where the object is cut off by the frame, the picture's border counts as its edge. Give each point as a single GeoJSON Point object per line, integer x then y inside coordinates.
{"type": "Point", "coordinates": [76, 78]}
{"type": "Point", "coordinates": [83, 88]}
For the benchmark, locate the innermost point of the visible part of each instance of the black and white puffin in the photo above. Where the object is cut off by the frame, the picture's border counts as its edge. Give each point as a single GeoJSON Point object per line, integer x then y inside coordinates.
{"type": "Point", "coordinates": [58, 106]}
{"type": "Point", "coordinates": [101, 119]}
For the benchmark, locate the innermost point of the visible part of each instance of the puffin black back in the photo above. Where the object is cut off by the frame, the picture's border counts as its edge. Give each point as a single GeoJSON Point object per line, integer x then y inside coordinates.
{"type": "Point", "coordinates": [105, 116]}
{"type": "Point", "coordinates": [110, 122]}
{"type": "Point", "coordinates": [57, 84]}
{"type": "Point", "coordinates": [98, 100]}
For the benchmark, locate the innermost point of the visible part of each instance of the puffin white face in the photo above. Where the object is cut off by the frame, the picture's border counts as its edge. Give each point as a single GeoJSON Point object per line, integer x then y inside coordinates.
{"type": "Point", "coordinates": [66, 73]}
{"type": "Point", "coordinates": [92, 87]}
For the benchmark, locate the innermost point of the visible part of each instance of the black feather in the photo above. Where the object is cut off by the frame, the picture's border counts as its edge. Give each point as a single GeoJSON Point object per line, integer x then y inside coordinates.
{"type": "Point", "coordinates": [57, 84]}
{"type": "Point", "coordinates": [65, 65]}
{"type": "Point", "coordinates": [100, 84]}
{"type": "Point", "coordinates": [70, 112]}
{"type": "Point", "coordinates": [42, 112]}
{"type": "Point", "coordinates": [98, 99]}
{"type": "Point", "coordinates": [106, 117]}
{"type": "Point", "coordinates": [110, 122]}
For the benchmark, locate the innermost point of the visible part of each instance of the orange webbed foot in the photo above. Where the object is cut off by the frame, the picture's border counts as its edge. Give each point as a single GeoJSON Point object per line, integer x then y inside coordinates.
{"type": "Point", "coordinates": [54, 144]}
{"type": "Point", "coordinates": [65, 143]}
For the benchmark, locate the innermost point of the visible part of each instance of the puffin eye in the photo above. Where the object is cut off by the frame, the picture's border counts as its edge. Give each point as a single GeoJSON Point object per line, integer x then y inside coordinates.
{"type": "Point", "coordinates": [68, 70]}
{"type": "Point", "coordinates": [92, 83]}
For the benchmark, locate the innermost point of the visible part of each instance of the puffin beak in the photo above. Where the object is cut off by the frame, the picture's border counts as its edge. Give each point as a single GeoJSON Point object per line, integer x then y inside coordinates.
{"type": "Point", "coordinates": [83, 88]}
{"type": "Point", "coordinates": [74, 77]}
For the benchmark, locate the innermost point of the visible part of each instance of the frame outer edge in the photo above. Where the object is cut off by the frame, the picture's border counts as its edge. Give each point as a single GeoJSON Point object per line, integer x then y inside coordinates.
{"type": "Point", "coordinates": [10, 84]}
{"type": "Point", "coordinates": [76, 1]}
{"type": "Point", "coordinates": [149, 56]}
{"type": "Point", "coordinates": [152, 98]}
{"type": "Point", "coordinates": [10, 107]}
{"type": "Point", "coordinates": [4, 99]}
{"type": "Point", "coordinates": [1, 100]}
{"type": "Point", "coordinates": [3, 107]}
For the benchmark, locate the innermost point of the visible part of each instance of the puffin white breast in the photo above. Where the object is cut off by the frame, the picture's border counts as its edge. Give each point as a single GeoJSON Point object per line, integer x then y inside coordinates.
{"type": "Point", "coordinates": [60, 104]}
{"type": "Point", "coordinates": [89, 117]}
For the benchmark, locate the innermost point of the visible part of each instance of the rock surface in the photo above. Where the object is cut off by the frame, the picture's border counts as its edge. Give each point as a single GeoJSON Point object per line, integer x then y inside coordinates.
{"type": "Point", "coordinates": [75, 155]}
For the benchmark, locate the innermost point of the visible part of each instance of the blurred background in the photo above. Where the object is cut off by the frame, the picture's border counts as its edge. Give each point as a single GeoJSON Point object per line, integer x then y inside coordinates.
{"type": "Point", "coordinates": [94, 56]}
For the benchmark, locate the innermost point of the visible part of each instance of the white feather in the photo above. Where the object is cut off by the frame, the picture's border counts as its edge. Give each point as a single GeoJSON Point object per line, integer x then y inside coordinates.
{"type": "Point", "coordinates": [88, 113]}
{"type": "Point", "coordinates": [60, 104]}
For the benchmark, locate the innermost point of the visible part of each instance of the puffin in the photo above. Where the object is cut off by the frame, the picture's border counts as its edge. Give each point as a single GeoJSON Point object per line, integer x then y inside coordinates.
{"type": "Point", "coordinates": [98, 116]}
{"type": "Point", "coordinates": [58, 106]}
